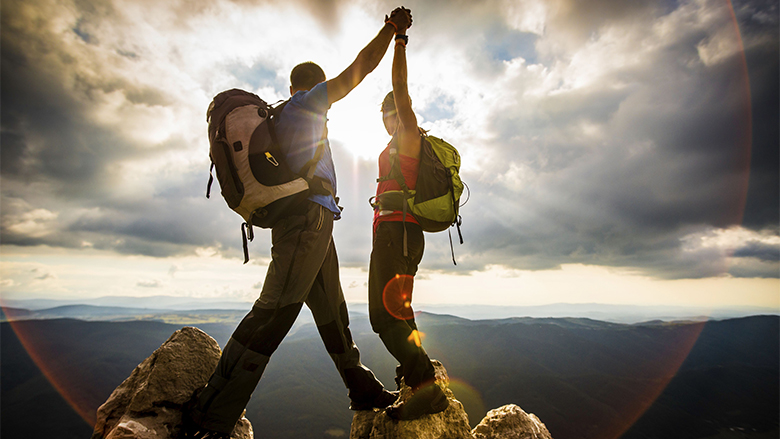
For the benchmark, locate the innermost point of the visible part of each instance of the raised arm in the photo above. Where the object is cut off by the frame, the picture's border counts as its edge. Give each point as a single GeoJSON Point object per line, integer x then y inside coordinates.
{"type": "Point", "coordinates": [368, 58]}
{"type": "Point", "coordinates": [408, 133]}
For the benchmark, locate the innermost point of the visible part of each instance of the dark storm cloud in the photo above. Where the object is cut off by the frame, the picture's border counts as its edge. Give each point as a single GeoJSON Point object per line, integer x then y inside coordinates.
{"type": "Point", "coordinates": [765, 271]}
{"type": "Point", "coordinates": [46, 134]}
{"type": "Point", "coordinates": [675, 158]}
{"type": "Point", "coordinates": [759, 24]}
{"type": "Point", "coordinates": [759, 250]}
{"type": "Point", "coordinates": [55, 157]}
{"type": "Point", "coordinates": [34, 108]}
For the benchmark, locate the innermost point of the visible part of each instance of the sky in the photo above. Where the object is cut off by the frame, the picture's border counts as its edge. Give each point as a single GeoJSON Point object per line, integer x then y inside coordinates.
{"type": "Point", "coordinates": [615, 151]}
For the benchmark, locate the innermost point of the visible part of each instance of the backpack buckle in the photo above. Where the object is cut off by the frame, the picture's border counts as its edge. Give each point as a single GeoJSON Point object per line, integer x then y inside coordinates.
{"type": "Point", "coordinates": [271, 159]}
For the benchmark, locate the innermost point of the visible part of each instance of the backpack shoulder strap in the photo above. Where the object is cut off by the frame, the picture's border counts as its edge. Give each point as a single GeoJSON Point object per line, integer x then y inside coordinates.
{"type": "Point", "coordinates": [395, 167]}
{"type": "Point", "coordinates": [397, 175]}
{"type": "Point", "coordinates": [274, 112]}
{"type": "Point", "coordinates": [316, 184]}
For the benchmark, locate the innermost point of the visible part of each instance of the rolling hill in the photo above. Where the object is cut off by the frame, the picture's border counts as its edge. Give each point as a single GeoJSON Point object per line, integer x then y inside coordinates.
{"type": "Point", "coordinates": [584, 378]}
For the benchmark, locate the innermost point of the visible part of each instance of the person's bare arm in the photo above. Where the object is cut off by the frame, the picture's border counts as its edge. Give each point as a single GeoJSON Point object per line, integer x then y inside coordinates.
{"type": "Point", "coordinates": [368, 58]}
{"type": "Point", "coordinates": [408, 132]}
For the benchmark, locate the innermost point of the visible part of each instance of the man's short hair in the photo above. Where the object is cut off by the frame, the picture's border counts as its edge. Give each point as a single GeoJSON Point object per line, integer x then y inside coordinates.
{"type": "Point", "coordinates": [306, 75]}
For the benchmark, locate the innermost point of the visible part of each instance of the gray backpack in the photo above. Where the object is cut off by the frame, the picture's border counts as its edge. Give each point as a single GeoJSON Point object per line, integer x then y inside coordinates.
{"type": "Point", "coordinates": [253, 174]}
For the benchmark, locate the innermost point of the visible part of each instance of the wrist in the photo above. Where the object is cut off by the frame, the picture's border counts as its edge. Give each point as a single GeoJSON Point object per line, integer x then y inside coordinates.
{"type": "Point", "coordinates": [393, 25]}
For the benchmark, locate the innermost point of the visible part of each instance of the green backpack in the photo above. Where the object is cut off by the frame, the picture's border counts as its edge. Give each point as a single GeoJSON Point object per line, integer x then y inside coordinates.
{"type": "Point", "coordinates": [435, 201]}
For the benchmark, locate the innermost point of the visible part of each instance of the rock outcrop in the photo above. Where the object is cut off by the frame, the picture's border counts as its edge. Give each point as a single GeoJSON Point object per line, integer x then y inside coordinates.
{"type": "Point", "coordinates": [452, 423]}
{"type": "Point", "coordinates": [148, 404]}
{"type": "Point", "coordinates": [507, 422]}
{"type": "Point", "coordinates": [510, 422]}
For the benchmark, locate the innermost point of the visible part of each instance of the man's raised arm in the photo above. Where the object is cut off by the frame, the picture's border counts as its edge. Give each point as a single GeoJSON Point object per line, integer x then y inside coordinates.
{"type": "Point", "coordinates": [369, 57]}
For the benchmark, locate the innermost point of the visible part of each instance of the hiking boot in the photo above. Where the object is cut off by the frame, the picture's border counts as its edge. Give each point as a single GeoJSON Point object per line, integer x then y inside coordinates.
{"type": "Point", "coordinates": [384, 399]}
{"type": "Point", "coordinates": [425, 401]}
{"type": "Point", "coordinates": [190, 429]}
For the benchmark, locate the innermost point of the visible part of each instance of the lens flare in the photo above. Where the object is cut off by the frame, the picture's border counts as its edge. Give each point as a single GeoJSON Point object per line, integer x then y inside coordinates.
{"type": "Point", "coordinates": [65, 380]}
{"type": "Point", "coordinates": [397, 297]}
{"type": "Point", "coordinates": [416, 337]}
{"type": "Point", "coordinates": [662, 370]}
{"type": "Point", "coordinates": [745, 122]}
{"type": "Point", "coordinates": [668, 361]}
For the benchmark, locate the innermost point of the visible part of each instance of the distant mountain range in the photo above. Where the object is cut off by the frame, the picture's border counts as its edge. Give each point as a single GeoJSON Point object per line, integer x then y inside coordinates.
{"type": "Point", "coordinates": [144, 307]}
{"type": "Point", "coordinates": [118, 313]}
{"type": "Point", "coordinates": [584, 378]}
{"type": "Point", "coordinates": [159, 302]}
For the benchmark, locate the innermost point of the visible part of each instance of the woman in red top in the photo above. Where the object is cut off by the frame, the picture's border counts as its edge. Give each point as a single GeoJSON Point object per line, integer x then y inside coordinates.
{"type": "Point", "coordinates": [398, 245]}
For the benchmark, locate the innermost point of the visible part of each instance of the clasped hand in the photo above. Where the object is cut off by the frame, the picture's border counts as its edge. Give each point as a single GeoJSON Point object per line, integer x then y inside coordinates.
{"type": "Point", "coordinates": [401, 17]}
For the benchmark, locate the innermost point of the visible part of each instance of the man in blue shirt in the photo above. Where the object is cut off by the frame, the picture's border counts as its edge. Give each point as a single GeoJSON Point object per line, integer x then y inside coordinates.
{"type": "Point", "coordinates": [304, 266]}
{"type": "Point", "coordinates": [301, 127]}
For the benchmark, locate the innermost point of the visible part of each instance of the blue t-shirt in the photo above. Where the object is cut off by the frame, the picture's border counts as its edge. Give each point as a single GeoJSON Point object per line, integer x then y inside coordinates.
{"type": "Point", "coordinates": [300, 128]}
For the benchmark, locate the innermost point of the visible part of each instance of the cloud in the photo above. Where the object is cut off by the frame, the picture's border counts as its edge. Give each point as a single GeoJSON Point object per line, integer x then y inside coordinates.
{"type": "Point", "coordinates": [605, 133]}
{"type": "Point", "coordinates": [613, 152]}
{"type": "Point", "coordinates": [759, 250]}
{"type": "Point", "coordinates": [149, 283]}
{"type": "Point", "coordinates": [31, 223]}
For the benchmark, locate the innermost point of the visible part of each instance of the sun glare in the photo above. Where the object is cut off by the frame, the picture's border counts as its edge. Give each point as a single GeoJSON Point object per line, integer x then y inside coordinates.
{"type": "Point", "coordinates": [356, 125]}
{"type": "Point", "coordinates": [355, 122]}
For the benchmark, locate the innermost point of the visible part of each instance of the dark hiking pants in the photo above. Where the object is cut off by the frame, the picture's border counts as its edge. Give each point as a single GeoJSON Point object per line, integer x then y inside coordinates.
{"type": "Point", "coordinates": [304, 269]}
{"type": "Point", "coordinates": [390, 282]}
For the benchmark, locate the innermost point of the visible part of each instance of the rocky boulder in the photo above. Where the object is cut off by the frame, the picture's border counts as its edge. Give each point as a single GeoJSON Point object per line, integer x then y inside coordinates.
{"type": "Point", "coordinates": [148, 404]}
{"type": "Point", "coordinates": [507, 422]}
{"type": "Point", "coordinates": [452, 423]}
{"type": "Point", "coordinates": [510, 422]}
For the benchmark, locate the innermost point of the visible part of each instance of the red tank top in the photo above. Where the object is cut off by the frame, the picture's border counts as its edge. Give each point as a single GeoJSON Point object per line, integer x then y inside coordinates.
{"type": "Point", "coordinates": [409, 168]}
